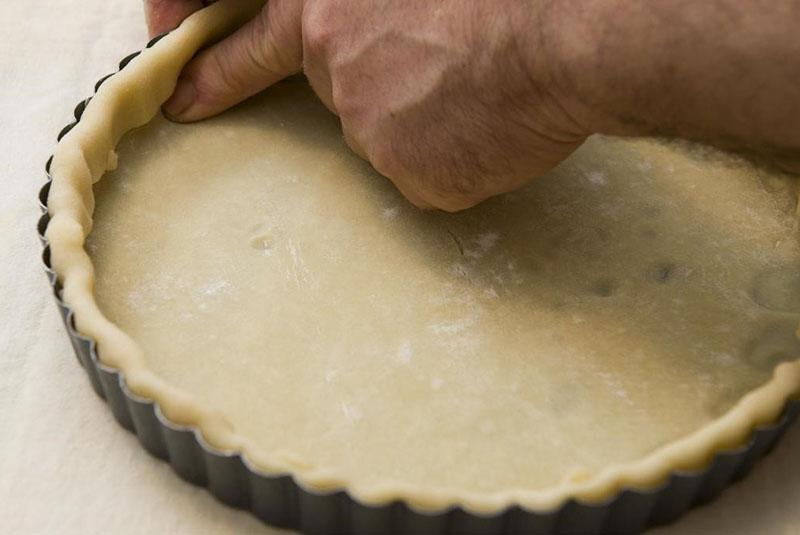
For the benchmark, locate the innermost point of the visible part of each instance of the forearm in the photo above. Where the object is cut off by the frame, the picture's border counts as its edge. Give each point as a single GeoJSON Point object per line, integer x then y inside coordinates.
{"type": "Point", "coordinates": [726, 72]}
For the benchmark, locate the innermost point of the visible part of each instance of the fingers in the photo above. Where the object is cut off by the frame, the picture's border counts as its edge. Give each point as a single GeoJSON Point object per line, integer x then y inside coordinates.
{"type": "Point", "coordinates": [165, 15]}
{"type": "Point", "coordinates": [262, 52]}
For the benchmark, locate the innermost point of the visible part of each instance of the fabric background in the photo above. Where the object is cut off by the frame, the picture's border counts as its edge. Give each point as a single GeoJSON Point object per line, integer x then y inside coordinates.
{"type": "Point", "coordinates": [65, 465]}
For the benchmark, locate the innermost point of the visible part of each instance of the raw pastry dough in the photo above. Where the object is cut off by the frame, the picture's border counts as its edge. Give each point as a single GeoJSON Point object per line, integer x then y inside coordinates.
{"type": "Point", "coordinates": [618, 319]}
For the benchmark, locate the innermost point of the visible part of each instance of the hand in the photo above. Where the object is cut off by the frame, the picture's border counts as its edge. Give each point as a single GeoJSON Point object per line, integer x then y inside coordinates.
{"type": "Point", "coordinates": [454, 101]}
{"type": "Point", "coordinates": [457, 100]}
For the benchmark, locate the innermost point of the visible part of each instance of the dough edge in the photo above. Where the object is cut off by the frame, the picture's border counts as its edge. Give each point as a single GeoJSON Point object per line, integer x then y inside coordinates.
{"type": "Point", "coordinates": [131, 98]}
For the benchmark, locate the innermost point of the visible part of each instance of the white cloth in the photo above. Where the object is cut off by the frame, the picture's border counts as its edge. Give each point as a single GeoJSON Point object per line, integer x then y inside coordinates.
{"type": "Point", "coordinates": [65, 465]}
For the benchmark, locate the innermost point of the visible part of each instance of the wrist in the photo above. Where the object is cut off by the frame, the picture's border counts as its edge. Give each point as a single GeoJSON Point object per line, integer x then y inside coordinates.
{"type": "Point", "coordinates": [611, 67]}
{"type": "Point", "coordinates": [550, 80]}
{"type": "Point", "coordinates": [705, 71]}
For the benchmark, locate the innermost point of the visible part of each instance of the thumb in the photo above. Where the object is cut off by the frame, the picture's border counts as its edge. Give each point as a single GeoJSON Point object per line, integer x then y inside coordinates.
{"type": "Point", "coordinates": [164, 15]}
{"type": "Point", "coordinates": [265, 50]}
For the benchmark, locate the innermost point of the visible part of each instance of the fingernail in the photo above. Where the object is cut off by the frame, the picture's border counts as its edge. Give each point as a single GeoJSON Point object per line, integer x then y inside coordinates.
{"type": "Point", "coordinates": [181, 99]}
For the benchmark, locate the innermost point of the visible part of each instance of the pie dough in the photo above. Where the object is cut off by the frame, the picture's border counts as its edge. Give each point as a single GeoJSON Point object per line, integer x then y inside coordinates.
{"type": "Point", "coordinates": [625, 316]}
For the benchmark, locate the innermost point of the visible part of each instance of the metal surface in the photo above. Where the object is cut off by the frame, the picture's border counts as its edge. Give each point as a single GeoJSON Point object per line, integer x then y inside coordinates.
{"type": "Point", "coordinates": [280, 501]}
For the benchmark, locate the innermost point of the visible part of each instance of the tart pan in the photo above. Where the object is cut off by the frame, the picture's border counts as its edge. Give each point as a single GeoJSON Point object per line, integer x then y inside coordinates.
{"type": "Point", "coordinates": [279, 500]}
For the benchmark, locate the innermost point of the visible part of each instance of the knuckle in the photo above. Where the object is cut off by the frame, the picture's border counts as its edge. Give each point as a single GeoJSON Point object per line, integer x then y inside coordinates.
{"type": "Point", "coordinates": [463, 185]}
{"type": "Point", "coordinates": [454, 204]}
{"type": "Point", "coordinates": [448, 186]}
{"type": "Point", "coordinates": [384, 159]}
{"type": "Point", "coordinates": [343, 98]}
{"type": "Point", "coordinates": [354, 140]}
{"type": "Point", "coordinates": [452, 193]}
{"type": "Point", "coordinates": [317, 33]}
{"type": "Point", "coordinates": [428, 174]}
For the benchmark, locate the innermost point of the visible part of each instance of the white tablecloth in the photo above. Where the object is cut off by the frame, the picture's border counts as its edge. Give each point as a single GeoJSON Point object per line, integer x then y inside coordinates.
{"type": "Point", "coordinates": [65, 465]}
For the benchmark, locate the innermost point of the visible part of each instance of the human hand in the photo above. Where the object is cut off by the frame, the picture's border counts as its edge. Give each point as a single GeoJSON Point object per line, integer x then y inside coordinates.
{"type": "Point", "coordinates": [454, 102]}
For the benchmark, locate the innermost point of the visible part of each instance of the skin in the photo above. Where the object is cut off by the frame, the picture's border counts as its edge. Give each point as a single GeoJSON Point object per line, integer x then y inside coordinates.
{"type": "Point", "coordinates": [456, 101]}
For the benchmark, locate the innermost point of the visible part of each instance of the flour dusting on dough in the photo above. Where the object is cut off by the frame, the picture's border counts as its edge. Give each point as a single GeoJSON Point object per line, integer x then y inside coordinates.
{"type": "Point", "coordinates": [297, 271]}
{"type": "Point", "coordinates": [596, 178]}
{"type": "Point", "coordinates": [215, 287]}
{"type": "Point", "coordinates": [391, 212]}
{"type": "Point", "coordinates": [404, 352]}
{"type": "Point", "coordinates": [485, 242]}
{"type": "Point", "coordinates": [331, 375]}
{"type": "Point", "coordinates": [454, 327]}
{"type": "Point", "coordinates": [351, 413]}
